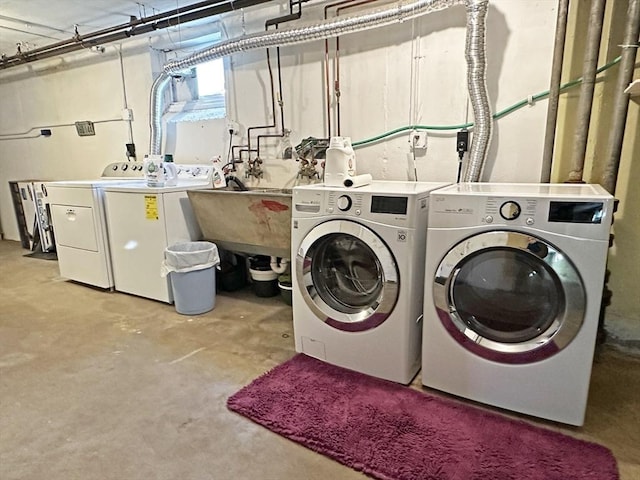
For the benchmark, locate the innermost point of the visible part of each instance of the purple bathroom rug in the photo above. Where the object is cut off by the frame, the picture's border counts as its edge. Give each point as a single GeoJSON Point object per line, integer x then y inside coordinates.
{"type": "Point", "coordinates": [393, 432]}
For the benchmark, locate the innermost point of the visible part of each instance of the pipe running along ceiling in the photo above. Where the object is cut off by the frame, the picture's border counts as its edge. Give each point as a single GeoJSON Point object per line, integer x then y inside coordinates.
{"type": "Point", "coordinates": [475, 54]}
{"type": "Point", "coordinates": [135, 27]}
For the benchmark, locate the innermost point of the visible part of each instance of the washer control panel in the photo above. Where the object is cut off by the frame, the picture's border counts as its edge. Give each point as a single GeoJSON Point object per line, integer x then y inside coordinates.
{"type": "Point", "coordinates": [345, 202]}
{"type": "Point", "coordinates": [386, 206]}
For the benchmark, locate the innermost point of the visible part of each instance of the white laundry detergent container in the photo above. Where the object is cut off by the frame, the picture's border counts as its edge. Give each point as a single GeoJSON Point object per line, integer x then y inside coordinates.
{"type": "Point", "coordinates": [191, 266]}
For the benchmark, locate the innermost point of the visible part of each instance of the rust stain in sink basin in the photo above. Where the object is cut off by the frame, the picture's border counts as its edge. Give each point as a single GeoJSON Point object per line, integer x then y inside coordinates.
{"type": "Point", "coordinates": [264, 209]}
{"type": "Point", "coordinates": [274, 206]}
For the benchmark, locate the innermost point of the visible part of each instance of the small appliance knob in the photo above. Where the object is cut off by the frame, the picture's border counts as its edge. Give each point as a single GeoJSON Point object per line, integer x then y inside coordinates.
{"type": "Point", "coordinates": [344, 203]}
{"type": "Point", "coordinates": [510, 210]}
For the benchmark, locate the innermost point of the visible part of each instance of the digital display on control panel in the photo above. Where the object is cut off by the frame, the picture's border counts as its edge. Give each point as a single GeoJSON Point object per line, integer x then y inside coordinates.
{"type": "Point", "coordinates": [576, 212]}
{"type": "Point", "coordinates": [393, 205]}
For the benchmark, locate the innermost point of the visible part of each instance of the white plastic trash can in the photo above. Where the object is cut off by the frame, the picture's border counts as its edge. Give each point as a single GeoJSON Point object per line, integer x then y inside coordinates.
{"type": "Point", "coordinates": [191, 267]}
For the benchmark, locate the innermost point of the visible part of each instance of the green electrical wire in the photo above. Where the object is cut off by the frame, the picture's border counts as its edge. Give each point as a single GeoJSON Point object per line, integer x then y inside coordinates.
{"type": "Point", "coordinates": [495, 116]}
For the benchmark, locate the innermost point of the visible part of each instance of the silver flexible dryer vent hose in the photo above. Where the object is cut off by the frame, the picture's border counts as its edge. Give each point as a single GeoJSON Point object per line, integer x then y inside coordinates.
{"type": "Point", "coordinates": [156, 106]}
{"type": "Point", "coordinates": [476, 56]}
{"type": "Point", "coordinates": [309, 32]}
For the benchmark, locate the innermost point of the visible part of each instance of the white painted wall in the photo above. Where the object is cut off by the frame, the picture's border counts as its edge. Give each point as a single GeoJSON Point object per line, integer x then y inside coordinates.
{"type": "Point", "coordinates": [377, 96]}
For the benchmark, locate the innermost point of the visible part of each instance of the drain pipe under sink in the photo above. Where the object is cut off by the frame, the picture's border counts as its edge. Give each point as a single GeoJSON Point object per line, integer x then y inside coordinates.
{"type": "Point", "coordinates": [279, 267]}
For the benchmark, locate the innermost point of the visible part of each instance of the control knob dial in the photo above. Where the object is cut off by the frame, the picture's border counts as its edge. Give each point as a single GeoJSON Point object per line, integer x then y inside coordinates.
{"type": "Point", "coordinates": [510, 210]}
{"type": "Point", "coordinates": [343, 203]}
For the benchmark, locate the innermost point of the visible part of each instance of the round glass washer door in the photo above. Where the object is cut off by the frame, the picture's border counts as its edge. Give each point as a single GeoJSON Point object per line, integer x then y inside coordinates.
{"type": "Point", "coordinates": [509, 297]}
{"type": "Point", "coordinates": [347, 275]}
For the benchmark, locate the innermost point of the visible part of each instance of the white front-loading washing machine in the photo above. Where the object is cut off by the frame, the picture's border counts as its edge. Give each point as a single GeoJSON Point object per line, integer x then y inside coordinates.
{"type": "Point", "coordinates": [513, 285]}
{"type": "Point", "coordinates": [358, 275]}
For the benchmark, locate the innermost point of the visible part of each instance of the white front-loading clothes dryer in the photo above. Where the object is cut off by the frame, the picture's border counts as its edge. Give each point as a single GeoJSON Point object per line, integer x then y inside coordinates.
{"type": "Point", "coordinates": [358, 275]}
{"type": "Point", "coordinates": [513, 285]}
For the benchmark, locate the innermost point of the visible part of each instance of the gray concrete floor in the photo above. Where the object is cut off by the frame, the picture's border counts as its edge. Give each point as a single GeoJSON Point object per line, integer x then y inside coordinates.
{"type": "Point", "coordinates": [100, 385]}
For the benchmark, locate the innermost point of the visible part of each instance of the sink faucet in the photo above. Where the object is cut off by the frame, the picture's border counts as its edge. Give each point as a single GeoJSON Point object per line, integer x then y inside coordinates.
{"type": "Point", "coordinates": [235, 180]}
{"type": "Point", "coordinates": [254, 169]}
{"type": "Point", "coordinates": [308, 169]}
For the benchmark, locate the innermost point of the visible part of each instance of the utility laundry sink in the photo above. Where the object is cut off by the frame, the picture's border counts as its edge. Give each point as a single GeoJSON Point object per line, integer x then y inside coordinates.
{"type": "Point", "coordinates": [255, 221]}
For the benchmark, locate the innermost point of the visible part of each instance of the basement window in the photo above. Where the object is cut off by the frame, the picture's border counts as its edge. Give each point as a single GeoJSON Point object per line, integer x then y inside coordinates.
{"type": "Point", "coordinates": [199, 95]}
{"type": "Point", "coordinates": [210, 78]}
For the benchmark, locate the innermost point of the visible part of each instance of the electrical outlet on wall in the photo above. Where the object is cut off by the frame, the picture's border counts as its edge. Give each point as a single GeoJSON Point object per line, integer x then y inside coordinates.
{"type": "Point", "coordinates": [418, 140]}
{"type": "Point", "coordinates": [233, 127]}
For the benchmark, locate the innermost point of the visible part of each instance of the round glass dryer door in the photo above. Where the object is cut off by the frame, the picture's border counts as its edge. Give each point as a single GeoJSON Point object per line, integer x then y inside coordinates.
{"type": "Point", "coordinates": [509, 297]}
{"type": "Point", "coordinates": [347, 275]}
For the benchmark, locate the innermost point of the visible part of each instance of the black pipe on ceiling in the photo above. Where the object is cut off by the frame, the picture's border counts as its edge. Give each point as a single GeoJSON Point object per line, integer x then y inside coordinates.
{"type": "Point", "coordinates": [135, 27]}
{"type": "Point", "coordinates": [131, 23]}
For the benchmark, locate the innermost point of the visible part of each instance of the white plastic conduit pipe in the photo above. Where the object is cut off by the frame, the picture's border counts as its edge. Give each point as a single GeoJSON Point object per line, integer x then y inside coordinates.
{"type": "Point", "coordinates": [279, 267]}
{"type": "Point", "coordinates": [475, 49]}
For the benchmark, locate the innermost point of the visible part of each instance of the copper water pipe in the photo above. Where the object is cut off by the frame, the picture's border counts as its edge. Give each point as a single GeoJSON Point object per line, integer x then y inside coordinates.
{"type": "Point", "coordinates": [326, 65]}
{"type": "Point", "coordinates": [336, 78]}
{"type": "Point", "coordinates": [271, 22]}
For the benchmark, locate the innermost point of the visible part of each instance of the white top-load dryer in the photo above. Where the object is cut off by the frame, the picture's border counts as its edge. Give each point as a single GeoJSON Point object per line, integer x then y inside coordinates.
{"type": "Point", "coordinates": [358, 274]}
{"type": "Point", "coordinates": [77, 214]}
{"type": "Point", "coordinates": [143, 221]}
{"type": "Point", "coordinates": [513, 286]}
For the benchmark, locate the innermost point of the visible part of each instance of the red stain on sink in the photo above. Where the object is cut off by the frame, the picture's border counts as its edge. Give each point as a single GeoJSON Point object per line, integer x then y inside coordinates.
{"type": "Point", "coordinates": [264, 209]}
{"type": "Point", "coordinates": [274, 206]}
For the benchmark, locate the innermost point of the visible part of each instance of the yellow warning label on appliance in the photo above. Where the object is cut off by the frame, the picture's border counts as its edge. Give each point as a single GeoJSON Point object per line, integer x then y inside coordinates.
{"type": "Point", "coordinates": [151, 207]}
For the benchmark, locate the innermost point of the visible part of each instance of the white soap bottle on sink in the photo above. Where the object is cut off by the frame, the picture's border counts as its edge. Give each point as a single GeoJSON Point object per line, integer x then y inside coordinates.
{"type": "Point", "coordinates": [170, 171]}
{"type": "Point", "coordinates": [154, 170]}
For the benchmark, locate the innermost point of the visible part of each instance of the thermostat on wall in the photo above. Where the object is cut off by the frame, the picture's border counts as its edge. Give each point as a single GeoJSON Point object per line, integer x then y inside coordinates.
{"type": "Point", "coordinates": [85, 128]}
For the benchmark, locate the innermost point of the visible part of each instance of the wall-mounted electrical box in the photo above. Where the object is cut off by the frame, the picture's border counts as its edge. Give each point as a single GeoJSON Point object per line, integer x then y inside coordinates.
{"type": "Point", "coordinates": [85, 128]}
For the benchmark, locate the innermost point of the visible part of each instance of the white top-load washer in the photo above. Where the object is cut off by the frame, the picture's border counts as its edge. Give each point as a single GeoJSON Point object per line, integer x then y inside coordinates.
{"type": "Point", "coordinates": [513, 286]}
{"type": "Point", "coordinates": [143, 221]}
{"type": "Point", "coordinates": [77, 214]}
{"type": "Point", "coordinates": [358, 274]}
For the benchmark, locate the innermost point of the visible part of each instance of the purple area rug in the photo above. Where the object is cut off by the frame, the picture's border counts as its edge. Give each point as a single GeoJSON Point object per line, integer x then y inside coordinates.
{"type": "Point", "coordinates": [393, 432]}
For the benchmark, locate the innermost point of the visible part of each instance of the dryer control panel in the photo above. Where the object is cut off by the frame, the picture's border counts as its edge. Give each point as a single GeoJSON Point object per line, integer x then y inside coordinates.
{"type": "Point", "coordinates": [582, 216]}
{"type": "Point", "coordinates": [510, 210]}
